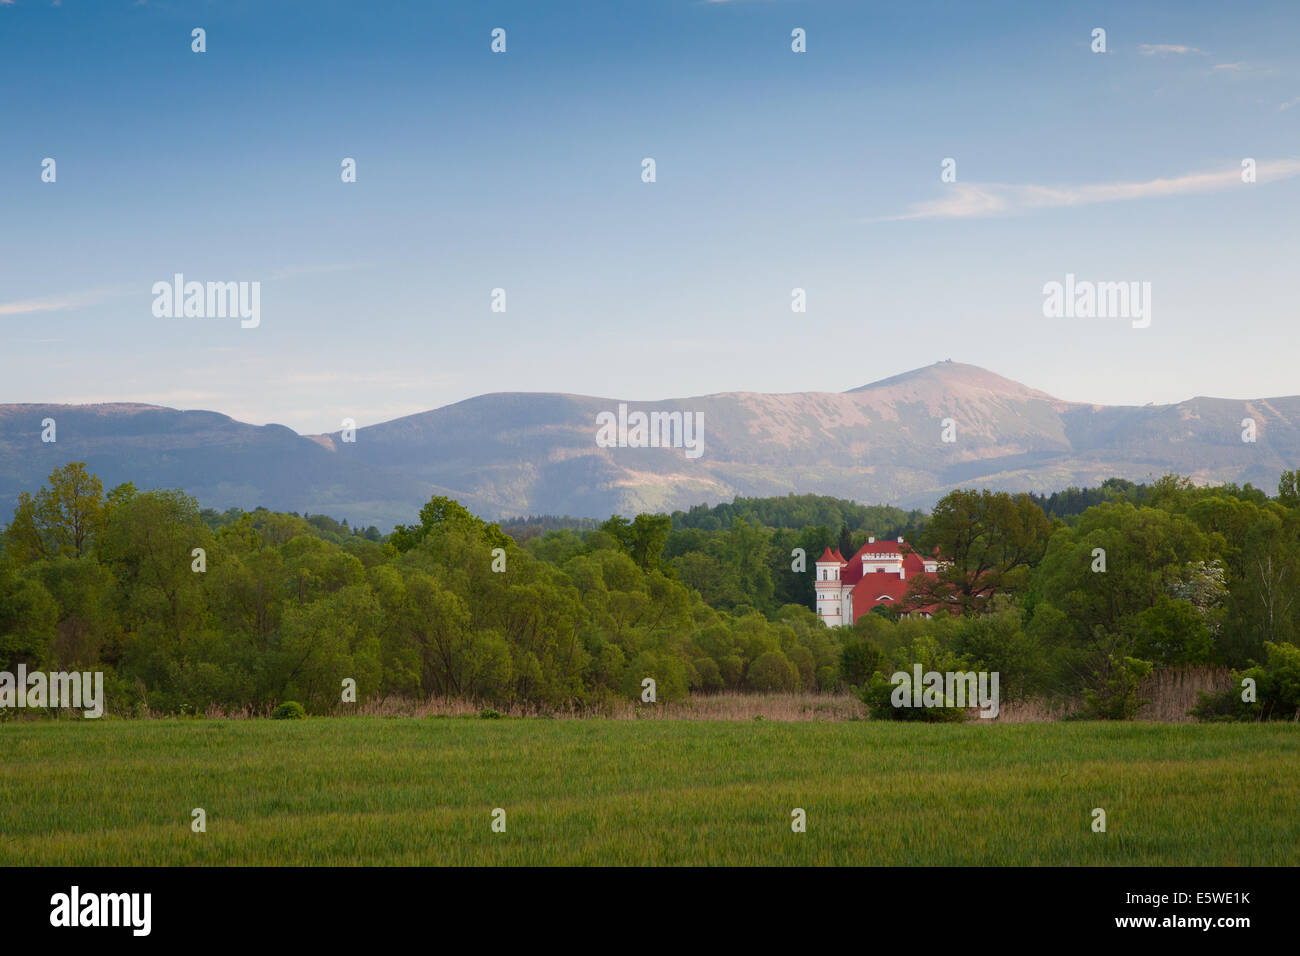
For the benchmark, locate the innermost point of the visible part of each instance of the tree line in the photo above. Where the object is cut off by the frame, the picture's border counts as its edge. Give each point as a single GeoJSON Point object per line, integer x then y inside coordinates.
{"type": "Point", "coordinates": [185, 609]}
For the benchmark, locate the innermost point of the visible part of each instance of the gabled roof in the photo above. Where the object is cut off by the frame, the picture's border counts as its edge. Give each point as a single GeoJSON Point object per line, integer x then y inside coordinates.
{"type": "Point", "coordinates": [876, 589]}
{"type": "Point", "coordinates": [882, 547]}
{"type": "Point", "coordinates": [869, 591]}
{"type": "Point", "coordinates": [872, 588]}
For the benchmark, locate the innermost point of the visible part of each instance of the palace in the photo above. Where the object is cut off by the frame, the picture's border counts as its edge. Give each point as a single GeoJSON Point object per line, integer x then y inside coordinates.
{"type": "Point", "coordinates": [877, 574]}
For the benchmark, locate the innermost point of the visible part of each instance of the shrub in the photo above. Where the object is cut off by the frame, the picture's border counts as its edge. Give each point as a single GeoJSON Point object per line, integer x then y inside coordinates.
{"type": "Point", "coordinates": [879, 692]}
{"type": "Point", "coordinates": [826, 678]}
{"type": "Point", "coordinates": [805, 665]}
{"type": "Point", "coordinates": [1225, 705]}
{"type": "Point", "coordinates": [1114, 695]}
{"type": "Point", "coordinates": [1279, 682]}
{"type": "Point", "coordinates": [487, 713]}
{"type": "Point", "coordinates": [708, 677]}
{"type": "Point", "coordinates": [1277, 690]}
{"type": "Point", "coordinates": [859, 659]}
{"type": "Point", "coordinates": [733, 670]}
{"type": "Point", "coordinates": [289, 710]}
{"type": "Point", "coordinates": [772, 671]}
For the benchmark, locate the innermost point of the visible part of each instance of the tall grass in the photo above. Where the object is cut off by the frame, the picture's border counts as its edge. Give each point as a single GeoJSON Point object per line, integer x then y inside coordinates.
{"type": "Point", "coordinates": [726, 706]}
{"type": "Point", "coordinates": [1171, 693]}
{"type": "Point", "coordinates": [414, 791]}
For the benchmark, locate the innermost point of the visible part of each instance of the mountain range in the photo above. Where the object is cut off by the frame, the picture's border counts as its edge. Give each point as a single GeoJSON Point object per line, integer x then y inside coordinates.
{"type": "Point", "coordinates": [516, 453]}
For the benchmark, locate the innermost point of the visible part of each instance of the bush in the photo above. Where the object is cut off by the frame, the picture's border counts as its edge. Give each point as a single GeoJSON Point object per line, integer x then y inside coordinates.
{"type": "Point", "coordinates": [708, 677]}
{"type": "Point", "coordinates": [289, 710]}
{"type": "Point", "coordinates": [1277, 690]}
{"type": "Point", "coordinates": [878, 695]}
{"type": "Point", "coordinates": [487, 713]}
{"type": "Point", "coordinates": [732, 668]}
{"type": "Point", "coordinates": [670, 674]}
{"type": "Point", "coordinates": [772, 671]}
{"type": "Point", "coordinates": [859, 659]}
{"type": "Point", "coordinates": [1114, 694]}
{"type": "Point", "coordinates": [1226, 705]}
{"type": "Point", "coordinates": [1279, 682]}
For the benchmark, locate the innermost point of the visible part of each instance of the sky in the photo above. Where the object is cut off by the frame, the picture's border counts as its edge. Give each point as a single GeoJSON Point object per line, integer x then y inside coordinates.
{"type": "Point", "coordinates": [522, 171]}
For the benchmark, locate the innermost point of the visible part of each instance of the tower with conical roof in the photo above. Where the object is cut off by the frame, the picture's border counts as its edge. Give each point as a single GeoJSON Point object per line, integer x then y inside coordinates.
{"type": "Point", "coordinates": [830, 590]}
{"type": "Point", "coordinates": [879, 573]}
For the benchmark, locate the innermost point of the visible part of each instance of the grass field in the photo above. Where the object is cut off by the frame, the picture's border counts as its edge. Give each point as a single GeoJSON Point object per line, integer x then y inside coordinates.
{"type": "Point", "coordinates": [421, 791]}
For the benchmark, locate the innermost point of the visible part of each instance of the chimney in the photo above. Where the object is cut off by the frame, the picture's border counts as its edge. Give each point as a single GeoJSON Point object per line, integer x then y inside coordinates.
{"type": "Point", "coordinates": [900, 539]}
{"type": "Point", "coordinates": [871, 541]}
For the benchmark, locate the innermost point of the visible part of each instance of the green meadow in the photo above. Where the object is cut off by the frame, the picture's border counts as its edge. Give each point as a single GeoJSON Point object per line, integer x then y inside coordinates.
{"type": "Point", "coordinates": [411, 791]}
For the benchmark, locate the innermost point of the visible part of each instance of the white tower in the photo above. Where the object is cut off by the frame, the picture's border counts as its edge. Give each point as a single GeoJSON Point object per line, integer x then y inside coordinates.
{"type": "Point", "coordinates": [830, 590]}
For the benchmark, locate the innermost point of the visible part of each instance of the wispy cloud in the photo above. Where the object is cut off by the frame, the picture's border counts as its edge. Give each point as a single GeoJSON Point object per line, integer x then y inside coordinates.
{"type": "Point", "coordinates": [1290, 103]}
{"type": "Point", "coordinates": [59, 302]}
{"type": "Point", "coordinates": [64, 301]}
{"type": "Point", "coordinates": [1158, 49]}
{"type": "Point", "coordinates": [1241, 66]}
{"type": "Point", "coordinates": [981, 200]}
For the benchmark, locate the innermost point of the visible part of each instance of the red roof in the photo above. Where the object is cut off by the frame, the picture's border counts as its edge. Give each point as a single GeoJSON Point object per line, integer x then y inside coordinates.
{"type": "Point", "coordinates": [852, 572]}
{"type": "Point", "coordinates": [882, 587]}
{"type": "Point", "coordinates": [876, 589]}
{"type": "Point", "coordinates": [888, 589]}
{"type": "Point", "coordinates": [882, 547]}
{"type": "Point", "coordinates": [839, 556]}
{"type": "Point", "coordinates": [828, 557]}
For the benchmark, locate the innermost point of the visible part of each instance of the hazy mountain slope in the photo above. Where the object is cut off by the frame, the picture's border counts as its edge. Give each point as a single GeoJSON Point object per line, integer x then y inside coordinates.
{"type": "Point", "coordinates": [519, 453]}
{"type": "Point", "coordinates": [216, 459]}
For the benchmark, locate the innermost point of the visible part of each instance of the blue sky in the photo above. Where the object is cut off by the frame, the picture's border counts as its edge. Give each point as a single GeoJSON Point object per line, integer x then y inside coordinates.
{"type": "Point", "coordinates": [521, 170]}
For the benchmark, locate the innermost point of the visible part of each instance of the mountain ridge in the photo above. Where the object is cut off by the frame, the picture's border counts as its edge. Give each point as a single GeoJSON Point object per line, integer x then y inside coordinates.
{"type": "Point", "coordinates": [514, 453]}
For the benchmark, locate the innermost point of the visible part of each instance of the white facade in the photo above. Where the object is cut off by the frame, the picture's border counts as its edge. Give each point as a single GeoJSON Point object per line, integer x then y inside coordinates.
{"type": "Point", "coordinates": [876, 572]}
{"type": "Point", "coordinates": [834, 600]}
{"type": "Point", "coordinates": [883, 562]}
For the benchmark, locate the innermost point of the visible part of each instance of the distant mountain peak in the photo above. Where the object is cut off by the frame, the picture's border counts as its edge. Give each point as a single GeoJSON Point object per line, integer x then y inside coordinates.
{"type": "Point", "coordinates": [954, 378]}
{"type": "Point", "coordinates": [512, 453]}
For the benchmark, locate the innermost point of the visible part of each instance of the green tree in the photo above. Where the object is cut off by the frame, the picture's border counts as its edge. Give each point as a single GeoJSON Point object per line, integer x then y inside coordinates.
{"type": "Point", "coordinates": [649, 534]}
{"type": "Point", "coordinates": [1093, 588]}
{"type": "Point", "coordinates": [28, 616]}
{"type": "Point", "coordinates": [989, 543]}
{"type": "Point", "coordinates": [1288, 489]}
{"type": "Point", "coordinates": [442, 515]}
{"type": "Point", "coordinates": [772, 671]}
{"type": "Point", "coordinates": [149, 543]}
{"type": "Point", "coordinates": [859, 659]}
{"type": "Point", "coordinates": [62, 520]}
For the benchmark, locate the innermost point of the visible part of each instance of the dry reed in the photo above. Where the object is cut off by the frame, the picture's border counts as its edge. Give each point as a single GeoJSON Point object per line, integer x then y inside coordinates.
{"type": "Point", "coordinates": [1170, 693]}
